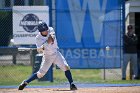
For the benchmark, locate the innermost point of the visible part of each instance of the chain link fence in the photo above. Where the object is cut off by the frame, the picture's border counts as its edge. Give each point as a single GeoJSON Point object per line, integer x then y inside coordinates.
{"type": "Point", "coordinates": [16, 63]}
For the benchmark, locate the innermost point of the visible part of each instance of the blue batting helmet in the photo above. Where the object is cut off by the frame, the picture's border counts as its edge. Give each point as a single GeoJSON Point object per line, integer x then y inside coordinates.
{"type": "Point", "coordinates": [42, 27]}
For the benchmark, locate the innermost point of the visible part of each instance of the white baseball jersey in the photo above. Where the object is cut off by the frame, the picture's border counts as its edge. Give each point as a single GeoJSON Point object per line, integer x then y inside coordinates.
{"type": "Point", "coordinates": [41, 41]}
{"type": "Point", "coordinates": [50, 54]}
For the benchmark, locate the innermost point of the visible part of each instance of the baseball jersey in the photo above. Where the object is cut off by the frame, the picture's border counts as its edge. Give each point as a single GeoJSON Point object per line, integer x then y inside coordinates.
{"type": "Point", "coordinates": [41, 41]}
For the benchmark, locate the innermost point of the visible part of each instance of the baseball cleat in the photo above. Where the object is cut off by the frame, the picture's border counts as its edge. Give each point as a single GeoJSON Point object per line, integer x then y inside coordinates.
{"type": "Point", "coordinates": [73, 87]}
{"type": "Point", "coordinates": [22, 85]}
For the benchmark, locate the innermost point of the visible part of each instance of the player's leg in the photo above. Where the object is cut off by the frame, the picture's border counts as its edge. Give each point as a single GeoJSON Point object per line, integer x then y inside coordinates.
{"type": "Point", "coordinates": [134, 65]}
{"type": "Point", "coordinates": [62, 64]}
{"type": "Point", "coordinates": [69, 77]}
{"type": "Point", "coordinates": [25, 82]}
{"type": "Point", "coordinates": [43, 69]}
{"type": "Point", "coordinates": [126, 59]}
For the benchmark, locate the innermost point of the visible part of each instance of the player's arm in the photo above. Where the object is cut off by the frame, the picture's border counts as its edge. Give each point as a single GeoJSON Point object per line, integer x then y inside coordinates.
{"type": "Point", "coordinates": [39, 45]}
{"type": "Point", "coordinates": [51, 37]}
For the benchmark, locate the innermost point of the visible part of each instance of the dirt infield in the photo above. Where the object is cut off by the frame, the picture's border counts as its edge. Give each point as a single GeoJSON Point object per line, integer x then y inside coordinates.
{"type": "Point", "coordinates": [135, 89]}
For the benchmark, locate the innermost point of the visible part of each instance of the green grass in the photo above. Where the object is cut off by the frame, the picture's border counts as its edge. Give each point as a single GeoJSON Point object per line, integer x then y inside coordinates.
{"type": "Point", "coordinates": [15, 74]}
{"type": "Point", "coordinates": [11, 75]}
{"type": "Point", "coordinates": [89, 76]}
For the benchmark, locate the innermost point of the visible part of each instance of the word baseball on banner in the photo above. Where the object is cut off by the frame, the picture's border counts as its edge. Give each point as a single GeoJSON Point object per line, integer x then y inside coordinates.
{"type": "Point", "coordinates": [25, 21]}
{"type": "Point", "coordinates": [89, 32]}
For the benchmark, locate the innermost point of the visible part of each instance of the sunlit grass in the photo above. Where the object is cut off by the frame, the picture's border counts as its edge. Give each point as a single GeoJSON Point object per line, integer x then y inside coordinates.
{"type": "Point", "coordinates": [15, 74]}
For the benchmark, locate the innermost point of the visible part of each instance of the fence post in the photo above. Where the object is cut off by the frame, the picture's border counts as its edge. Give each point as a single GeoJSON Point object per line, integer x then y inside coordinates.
{"type": "Point", "coordinates": [14, 58]}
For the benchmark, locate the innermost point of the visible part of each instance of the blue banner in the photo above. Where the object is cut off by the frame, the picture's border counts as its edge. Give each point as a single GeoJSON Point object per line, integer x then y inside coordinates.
{"type": "Point", "coordinates": [89, 32]}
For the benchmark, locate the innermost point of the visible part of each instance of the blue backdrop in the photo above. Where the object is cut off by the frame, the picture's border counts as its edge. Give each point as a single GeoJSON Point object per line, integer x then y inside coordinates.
{"type": "Point", "coordinates": [84, 29]}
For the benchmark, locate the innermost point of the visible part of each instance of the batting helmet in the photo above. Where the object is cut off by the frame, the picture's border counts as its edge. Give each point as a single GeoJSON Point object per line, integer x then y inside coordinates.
{"type": "Point", "coordinates": [42, 27]}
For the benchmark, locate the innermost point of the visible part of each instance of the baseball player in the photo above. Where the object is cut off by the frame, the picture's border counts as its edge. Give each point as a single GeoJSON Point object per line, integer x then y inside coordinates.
{"type": "Point", "coordinates": [47, 44]}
